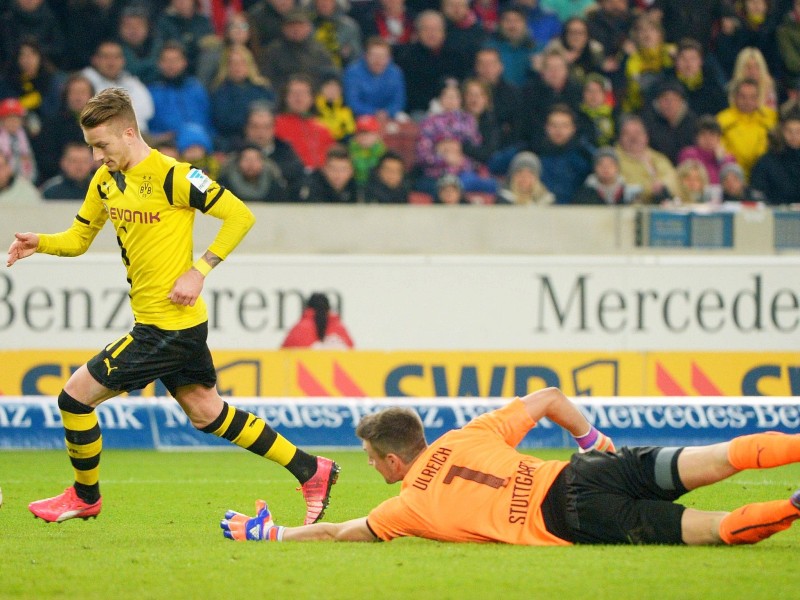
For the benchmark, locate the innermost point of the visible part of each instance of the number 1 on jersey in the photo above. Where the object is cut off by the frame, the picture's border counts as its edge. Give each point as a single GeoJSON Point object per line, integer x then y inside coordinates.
{"type": "Point", "coordinates": [477, 476]}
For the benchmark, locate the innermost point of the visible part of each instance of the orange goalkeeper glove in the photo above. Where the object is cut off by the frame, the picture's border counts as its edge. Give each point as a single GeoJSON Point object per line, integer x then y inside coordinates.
{"type": "Point", "coordinates": [240, 527]}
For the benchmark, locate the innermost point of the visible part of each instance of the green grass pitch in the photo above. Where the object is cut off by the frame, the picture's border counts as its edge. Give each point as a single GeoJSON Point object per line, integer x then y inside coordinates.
{"type": "Point", "coordinates": [159, 537]}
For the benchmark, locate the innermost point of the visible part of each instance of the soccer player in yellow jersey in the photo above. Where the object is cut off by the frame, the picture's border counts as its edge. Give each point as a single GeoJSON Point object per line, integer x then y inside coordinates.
{"type": "Point", "coordinates": [151, 201]}
{"type": "Point", "coordinates": [472, 485]}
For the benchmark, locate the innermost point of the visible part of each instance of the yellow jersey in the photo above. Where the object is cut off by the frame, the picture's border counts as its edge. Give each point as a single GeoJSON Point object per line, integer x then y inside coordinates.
{"type": "Point", "coordinates": [152, 207]}
{"type": "Point", "coordinates": [472, 485]}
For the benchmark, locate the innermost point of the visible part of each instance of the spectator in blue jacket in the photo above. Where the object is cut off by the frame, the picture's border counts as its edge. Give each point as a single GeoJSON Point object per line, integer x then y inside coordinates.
{"type": "Point", "coordinates": [565, 157]}
{"type": "Point", "coordinates": [544, 25]}
{"type": "Point", "coordinates": [178, 98]}
{"type": "Point", "coordinates": [374, 84]}
{"type": "Point", "coordinates": [514, 44]}
{"type": "Point", "coordinates": [238, 86]}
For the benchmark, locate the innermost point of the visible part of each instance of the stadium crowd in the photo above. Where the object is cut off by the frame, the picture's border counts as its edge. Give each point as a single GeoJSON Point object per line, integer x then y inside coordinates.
{"type": "Point", "coordinates": [671, 102]}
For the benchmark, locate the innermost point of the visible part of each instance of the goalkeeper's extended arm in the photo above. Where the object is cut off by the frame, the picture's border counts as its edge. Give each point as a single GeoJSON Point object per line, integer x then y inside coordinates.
{"type": "Point", "coordinates": [240, 527]}
{"type": "Point", "coordinates": [553, 404]}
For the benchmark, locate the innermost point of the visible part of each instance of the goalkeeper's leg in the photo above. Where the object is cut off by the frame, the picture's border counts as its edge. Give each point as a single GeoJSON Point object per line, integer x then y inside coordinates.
{"type": "Point", "coordinates": [704, 465]}
{"type": "Point", "coordinates": [748, 524]}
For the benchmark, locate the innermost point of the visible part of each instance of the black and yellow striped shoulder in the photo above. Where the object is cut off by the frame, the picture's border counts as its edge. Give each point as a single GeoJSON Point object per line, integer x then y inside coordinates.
{"type": "Point", "coordinates": [184, 183]}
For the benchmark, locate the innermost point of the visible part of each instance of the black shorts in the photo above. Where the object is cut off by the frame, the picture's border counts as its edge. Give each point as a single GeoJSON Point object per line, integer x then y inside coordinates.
{"type": "Point", "coordinates": [148, 353]}
{"type": "Point", "coordinates": [621, 498]}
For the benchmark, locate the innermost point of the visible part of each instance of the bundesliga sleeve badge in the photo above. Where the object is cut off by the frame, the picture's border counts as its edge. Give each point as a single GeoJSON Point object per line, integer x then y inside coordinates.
{"type": "Point", "coordinates": [198, 179]}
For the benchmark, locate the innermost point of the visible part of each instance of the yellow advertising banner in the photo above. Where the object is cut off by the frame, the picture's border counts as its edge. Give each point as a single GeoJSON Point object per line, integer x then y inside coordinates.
{"type": "Point", "coordinates": [308, 373]}
{"type": "Point", "coordinates": [723, 374]}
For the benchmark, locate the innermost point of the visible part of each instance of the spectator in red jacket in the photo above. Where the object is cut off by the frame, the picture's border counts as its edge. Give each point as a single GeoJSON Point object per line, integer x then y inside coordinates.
{"type": "Point", "coordinates": [319, 327]}
{"type": "Point", "coordinates": [297, 125]}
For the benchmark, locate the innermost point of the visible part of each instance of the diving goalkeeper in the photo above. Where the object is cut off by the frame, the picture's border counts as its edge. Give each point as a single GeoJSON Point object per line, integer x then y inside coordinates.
{"type": "Point", "coordinates": [472, 485]}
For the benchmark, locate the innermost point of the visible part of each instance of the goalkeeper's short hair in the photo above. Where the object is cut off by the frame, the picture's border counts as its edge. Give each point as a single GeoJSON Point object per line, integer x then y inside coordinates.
{"type": "Point", "coordinates": [393, 430]}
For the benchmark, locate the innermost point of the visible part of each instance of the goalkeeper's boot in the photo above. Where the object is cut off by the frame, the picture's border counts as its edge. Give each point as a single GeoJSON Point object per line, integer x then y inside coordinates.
{"type": "Point", "coordinates": [240, 527]}
{"type": "Point", "coordinates": [317, 490]}
{"type": "Point", "coordinates": [795, 499]}
{"type": "Point", "coordinates": [65, 506]}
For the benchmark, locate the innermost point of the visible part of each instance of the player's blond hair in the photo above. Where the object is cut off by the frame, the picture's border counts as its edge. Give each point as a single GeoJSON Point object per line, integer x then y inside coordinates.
{"type": "Point", "coordinates": [112, 104]}
{"type": "Point", "coordinates": [393, 431]}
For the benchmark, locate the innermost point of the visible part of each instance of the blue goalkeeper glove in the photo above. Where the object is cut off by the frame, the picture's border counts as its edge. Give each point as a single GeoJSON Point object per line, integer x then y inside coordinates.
{"type": "Point", "coordinates": [240, 527]}
{"type": "Point", "coordinates": [595, 440]}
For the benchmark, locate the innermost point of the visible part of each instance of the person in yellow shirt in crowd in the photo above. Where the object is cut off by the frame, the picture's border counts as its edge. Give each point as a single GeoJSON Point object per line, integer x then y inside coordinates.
{"type": "Point", "coordinates": [746, 124]}
{"type": "Point", "coordinates": [648, 61]}
{"type": "Point", "coordinates": [332, 111]}
{"type": "Point", "coordinates": [473, 485]}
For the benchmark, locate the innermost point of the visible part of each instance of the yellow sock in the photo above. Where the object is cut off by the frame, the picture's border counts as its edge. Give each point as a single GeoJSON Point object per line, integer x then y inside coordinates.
{"type": "Point", "coordinates": [84, 442]}
{"type": "Point", "coordinates": [252, 433]}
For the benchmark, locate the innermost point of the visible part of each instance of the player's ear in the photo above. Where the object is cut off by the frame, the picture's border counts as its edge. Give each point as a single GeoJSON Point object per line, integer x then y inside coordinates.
{"type": "Point", "coordinates": [397, 464]}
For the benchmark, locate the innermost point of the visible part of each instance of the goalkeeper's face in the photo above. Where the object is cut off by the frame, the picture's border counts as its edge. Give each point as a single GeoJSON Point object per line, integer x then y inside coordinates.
{"type": "Point", "coordinates": [388, 465]}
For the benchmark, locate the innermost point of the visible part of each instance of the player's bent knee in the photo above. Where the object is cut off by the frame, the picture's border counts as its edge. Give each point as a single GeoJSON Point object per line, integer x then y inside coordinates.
{"type": "Point", "coordinates": [201, 404]}
{"type": "Point", "coordinates": [69, 404]}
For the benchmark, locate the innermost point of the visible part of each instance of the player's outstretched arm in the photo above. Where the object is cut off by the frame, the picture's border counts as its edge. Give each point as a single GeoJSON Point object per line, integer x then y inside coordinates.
{"type": "Point", "coordinates": [355, 530]}
{"type": "Point", "coordinates": [553, 404]}
{"type": "Point", "coordinates": [240, 527]}
{"type": "Point", "coordinates": [24, 245]}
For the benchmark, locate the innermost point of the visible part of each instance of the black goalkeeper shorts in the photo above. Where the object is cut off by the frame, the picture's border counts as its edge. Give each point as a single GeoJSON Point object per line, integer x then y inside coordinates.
{"type": "Point", "coordinates": [622, 498]}
{"type": "Point", "coordinates": [148, 353]}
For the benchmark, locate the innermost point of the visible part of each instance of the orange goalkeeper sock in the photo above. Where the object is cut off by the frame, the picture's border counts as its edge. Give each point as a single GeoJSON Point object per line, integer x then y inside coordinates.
{"type": "Point", "coordinates": [755, 522]}
{"type": "Point", "coordinates": [764, 450]}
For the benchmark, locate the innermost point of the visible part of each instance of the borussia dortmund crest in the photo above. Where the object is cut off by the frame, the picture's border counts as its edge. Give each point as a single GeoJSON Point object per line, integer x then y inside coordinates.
{"type": "Point", "coordinates": [146, 188]}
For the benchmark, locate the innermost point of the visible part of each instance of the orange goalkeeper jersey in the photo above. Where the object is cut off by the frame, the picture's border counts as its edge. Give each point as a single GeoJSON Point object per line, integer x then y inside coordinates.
{"type": "Point", "coordinates": [472, 485]}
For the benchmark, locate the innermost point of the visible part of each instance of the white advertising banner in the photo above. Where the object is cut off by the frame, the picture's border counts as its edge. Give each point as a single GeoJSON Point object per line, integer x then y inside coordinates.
{"type": "Point", "coordinates": [435, 303]}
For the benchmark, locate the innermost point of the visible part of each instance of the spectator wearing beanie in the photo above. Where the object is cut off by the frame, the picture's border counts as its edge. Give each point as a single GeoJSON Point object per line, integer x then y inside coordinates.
{"type": "Point", "coordinates": [524, 186]}
{"type": "Point", "coordinates": [734, 185]}
{"type": "Point", "coordinates": [605, 185]}
{"type": "Point", "coordinates": [195, 147]}
{"type": "Point", "coordinates": [450, 191]}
